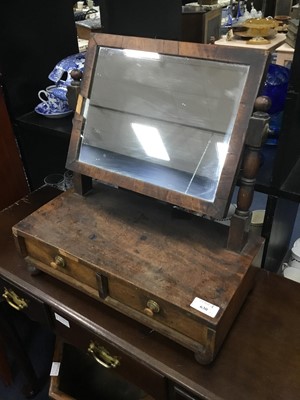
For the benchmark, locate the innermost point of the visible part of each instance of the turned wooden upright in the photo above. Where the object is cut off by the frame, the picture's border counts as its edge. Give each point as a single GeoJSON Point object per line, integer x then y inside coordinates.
{"type": "Point", "coordinates": [256, 136]}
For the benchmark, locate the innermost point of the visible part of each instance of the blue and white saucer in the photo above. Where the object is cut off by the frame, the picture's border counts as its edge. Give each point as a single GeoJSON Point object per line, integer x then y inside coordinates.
{"type": "Point", "coordinates": [43, 109]}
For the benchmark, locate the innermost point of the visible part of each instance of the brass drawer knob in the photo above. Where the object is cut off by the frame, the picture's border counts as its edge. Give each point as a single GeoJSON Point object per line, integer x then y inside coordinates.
{"type": "Point", "coordinates": [14, 300]}
{"type": "Point", "coordinates": [59, 262]}
{"type": "Point", "coordinates": [102, 356]}
{"type": "Point", "coordinates": [152, 308]}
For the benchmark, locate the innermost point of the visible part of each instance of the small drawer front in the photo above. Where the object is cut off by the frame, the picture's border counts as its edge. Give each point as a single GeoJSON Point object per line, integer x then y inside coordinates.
{"type": "Point", "coordinates": [63, 265]}
{"type": "Point", "coordinates": [80, 377]}
{"type": "Point", "coordinates": [22, 301]}
{"type": "Point", "coordinates": [156, 309]}
{"type": "Point", "coordinates": [109, 356]}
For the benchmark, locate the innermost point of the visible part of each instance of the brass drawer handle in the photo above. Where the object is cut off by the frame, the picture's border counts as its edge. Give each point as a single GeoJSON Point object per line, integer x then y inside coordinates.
{"type": "Point", "coordinates": [14, 300]}
{"type": "Point", "coordinates": [59, 261]}
{"type": "Point", "coordinates": [152, 308]}
{"type": "Point", "coordinates": [102, 356]}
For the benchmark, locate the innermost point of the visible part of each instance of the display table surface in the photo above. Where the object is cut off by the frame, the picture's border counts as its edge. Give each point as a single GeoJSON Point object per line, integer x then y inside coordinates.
{"type": "Point", "coordinates": [285, 48]}
{"type": "Point", "coordinates": [284, 55]}
{"type": "Point", "coordinates": [260, 356]}
{"type": "Point", "coordinates": [274, 43]}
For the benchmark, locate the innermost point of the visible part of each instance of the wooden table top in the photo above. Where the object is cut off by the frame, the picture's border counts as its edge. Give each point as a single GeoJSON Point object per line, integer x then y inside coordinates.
{"type": "Point", "coordinates": [260, 358]}
{"type": "Point", "coordinates": [274, 43]}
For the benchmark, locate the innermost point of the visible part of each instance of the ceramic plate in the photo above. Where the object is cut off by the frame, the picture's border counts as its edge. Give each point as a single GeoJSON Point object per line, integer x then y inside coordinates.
{"type": "Point", "coordinates": [65, 66]}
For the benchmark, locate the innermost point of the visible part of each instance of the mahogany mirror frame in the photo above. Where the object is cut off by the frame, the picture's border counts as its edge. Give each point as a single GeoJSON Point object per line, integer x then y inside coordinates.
{"type": "Point", "coordinates": [256, 60]}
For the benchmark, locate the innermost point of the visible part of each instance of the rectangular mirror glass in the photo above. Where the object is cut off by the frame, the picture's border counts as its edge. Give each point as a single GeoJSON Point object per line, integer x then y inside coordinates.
{"type": "Point", "coordinates": [162, 119]}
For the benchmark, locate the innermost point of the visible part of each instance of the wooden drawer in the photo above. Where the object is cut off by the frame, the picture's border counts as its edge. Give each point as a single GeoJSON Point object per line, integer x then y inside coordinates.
{"type": "Point", "coordinates": [118, 293]}
{"type": "Point", "coordinates": [123, 364]}
{"type": "Point", "coordinates": [24, 302]}
{"type": "Point", "coordinates": [76, 376]}
{"type": "Point", "coordinates": [62, 264]}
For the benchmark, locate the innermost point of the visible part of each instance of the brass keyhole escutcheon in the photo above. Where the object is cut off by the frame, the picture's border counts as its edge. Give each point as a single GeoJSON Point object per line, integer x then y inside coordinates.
{"type": "Point", "coordinates": [14, 300]}
{"type": "Point", "coordinates": [102, 356]}
{"type": "Point", "coordinates": [59, 262]}
{"type": "Point", "coordinates": [152, 308]}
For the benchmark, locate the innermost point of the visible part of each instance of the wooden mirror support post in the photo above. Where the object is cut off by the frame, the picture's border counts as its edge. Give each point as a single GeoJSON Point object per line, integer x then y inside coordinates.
{"type": "Point", "coordinates": [82, 183]}
{"type": "Point", "coordinates": [74, 88]}
{"type": "Point", "coordinates": [256, 136]}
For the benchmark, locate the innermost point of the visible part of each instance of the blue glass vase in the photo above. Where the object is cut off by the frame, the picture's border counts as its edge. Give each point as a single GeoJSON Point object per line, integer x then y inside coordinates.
{"type": "Point", "coordinates": [275, 87]}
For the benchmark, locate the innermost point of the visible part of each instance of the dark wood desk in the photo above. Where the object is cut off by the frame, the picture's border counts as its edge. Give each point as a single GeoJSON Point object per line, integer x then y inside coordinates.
{"type": "Point", "coordinates": [260, 358]}
{"type": "Point", "coordinates": [200, 26]}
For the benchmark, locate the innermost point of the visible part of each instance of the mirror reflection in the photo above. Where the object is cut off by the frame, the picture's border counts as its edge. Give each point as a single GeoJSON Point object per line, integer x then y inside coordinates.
{"type": "Point", "coordinates": [165, 120]}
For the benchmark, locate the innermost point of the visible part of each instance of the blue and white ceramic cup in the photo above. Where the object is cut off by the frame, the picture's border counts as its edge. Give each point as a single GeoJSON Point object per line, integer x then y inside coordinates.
{"type": "Point", "coordinates": [58, 91]}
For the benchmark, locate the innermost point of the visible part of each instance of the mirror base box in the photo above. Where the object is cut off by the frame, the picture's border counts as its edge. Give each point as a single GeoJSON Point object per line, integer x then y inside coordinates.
{"type": "Point", "coordinates": [162, 266]}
